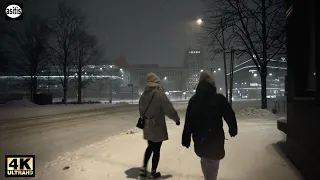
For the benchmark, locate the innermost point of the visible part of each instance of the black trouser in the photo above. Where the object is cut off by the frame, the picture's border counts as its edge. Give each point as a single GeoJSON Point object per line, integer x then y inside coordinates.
{"type": "Point", "coordinates": [153, 147]}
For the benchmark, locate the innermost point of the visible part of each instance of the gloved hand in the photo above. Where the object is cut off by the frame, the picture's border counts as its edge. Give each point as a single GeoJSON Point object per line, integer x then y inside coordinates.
{"type": "Point", "coordinates": [178, 123]}
{"type": "Point", "coordinates": [185, 143]}
{"type": "Point", "coordinates": [187, 146]}
{"type": "Point", "coordinates": [232, 133]}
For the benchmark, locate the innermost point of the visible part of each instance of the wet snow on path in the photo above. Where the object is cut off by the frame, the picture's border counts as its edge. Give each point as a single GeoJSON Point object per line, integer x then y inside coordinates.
{"type": "Point", "coordinates": [252, 155]}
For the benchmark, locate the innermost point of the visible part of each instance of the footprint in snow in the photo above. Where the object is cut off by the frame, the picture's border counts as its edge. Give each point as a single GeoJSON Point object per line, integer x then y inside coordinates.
{"type": "Point", "coordinates": [108, 156]}
{"type": "Point", "coordinates": [66, 168]}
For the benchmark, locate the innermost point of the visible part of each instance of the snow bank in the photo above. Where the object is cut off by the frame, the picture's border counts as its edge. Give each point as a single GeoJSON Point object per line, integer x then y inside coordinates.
{"type": "Point", "coordinates": [122, 103]}
{"type": "Point", "coordinates": [20, 103]}
{"type": "Point", "coordinates": [254, 112]}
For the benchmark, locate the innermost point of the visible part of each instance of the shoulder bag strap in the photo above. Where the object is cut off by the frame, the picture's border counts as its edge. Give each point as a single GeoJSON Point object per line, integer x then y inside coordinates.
{"type": "Point", "coordinates": [148, 105]}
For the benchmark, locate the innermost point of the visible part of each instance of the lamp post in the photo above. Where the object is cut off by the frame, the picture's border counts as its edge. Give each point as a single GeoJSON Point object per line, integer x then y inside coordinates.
{"type": "Point", "coordinates": [231, 77]}
{"type": "Point", "coordinates": [131, 85]}
{"type": "Point", "coordinates": [111, 90]}
{"type": "Point", "coordinates": [48, 80]}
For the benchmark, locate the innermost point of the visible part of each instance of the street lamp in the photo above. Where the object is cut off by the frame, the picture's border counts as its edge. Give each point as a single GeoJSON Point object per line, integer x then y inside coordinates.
{"type": "Point", "coordinates": [270, 74]}
{"type": "Point", "coordinates": [131, 85]}
{"type": "Point", "coordinates": [165, 78]}
{"type": "Point", "coordinates": [199, 22]}
{"type": "Point", "coordinates": [219, 69]}
{"type": "Point", "coordinates": [214, 71]}
{"type": "Point", "coordinates": [201, 70]}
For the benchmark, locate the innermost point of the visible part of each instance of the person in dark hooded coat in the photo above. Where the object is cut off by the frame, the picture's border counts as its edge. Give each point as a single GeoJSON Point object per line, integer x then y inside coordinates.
{"type": "Point", "coordinates": [204, 123]}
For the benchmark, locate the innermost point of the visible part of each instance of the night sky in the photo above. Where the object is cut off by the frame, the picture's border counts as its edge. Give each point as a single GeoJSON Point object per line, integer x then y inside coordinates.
{"type": "Point", "coordinates": [144, 31]}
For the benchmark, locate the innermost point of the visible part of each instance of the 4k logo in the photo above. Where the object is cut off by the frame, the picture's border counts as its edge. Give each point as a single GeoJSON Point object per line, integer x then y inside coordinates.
{"type": "Point", "coordinates": [20, 165]}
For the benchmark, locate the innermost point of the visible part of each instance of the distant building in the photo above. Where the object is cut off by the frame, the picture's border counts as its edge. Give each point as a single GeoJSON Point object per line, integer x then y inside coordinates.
{"type": "Point", "coordinates": [247, 83]}
{"type": "Point", "coordinates": [111, 80]}
{"type": "Point", "coordinates": [171, 77]}
{"type": "Point", "coordinates": [177, 81]}
{"type": "Point", "coordinates": [98, 80]}
{"type": "Point", "coordinates": [193, 63]}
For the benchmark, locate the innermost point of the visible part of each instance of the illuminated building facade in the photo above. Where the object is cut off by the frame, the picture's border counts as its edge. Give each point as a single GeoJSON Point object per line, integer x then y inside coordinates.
{"type": "Point", "coordinates": [98, 81]}
{"type": "Point", "coordinates": [193, 64]}
{"type": "Point", "coordinates": [247, 83]}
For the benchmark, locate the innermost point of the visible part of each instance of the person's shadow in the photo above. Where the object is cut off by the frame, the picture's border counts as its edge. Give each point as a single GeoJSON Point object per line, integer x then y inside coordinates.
{"type": "Point", "coordinates": [133, 173]}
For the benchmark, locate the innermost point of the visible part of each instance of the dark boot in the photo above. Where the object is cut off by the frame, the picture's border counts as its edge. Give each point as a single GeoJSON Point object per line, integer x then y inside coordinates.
{"type": "Point", "coordinates": [155, 175]}
{"type": "Point", "coordinates": [143, 172]}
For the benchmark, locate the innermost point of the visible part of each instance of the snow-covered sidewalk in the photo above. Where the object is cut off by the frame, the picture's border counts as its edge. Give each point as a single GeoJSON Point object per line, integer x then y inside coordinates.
{"type": "Point", "coordinates": [252, 155]}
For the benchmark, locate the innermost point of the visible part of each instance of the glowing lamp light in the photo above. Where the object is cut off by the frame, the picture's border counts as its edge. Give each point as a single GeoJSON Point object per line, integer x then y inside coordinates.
{"type": "Point", "coordinates": [199, 21]}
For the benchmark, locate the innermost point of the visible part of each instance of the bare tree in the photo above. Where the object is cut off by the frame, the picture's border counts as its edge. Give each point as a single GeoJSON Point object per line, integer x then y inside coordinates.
{"type": "Point", "coordinates": [84, 49]}
{"type": "Point", "coordinates": [256, 25]}
{"type": "Point", "coordinates": [217, 44]}
{"type": "Point", "coordinates": [64, 27]}
{"type": "Point", "coordinates": [26, 48]}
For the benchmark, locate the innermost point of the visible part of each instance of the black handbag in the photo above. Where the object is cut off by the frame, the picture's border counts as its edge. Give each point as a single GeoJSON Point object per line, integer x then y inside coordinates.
{"type": "Point", "coordinates": [140, 123]}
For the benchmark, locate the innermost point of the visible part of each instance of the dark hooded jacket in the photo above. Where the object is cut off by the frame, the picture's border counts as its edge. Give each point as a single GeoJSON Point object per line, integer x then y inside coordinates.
{"type": "Point", "coordinates": [204, 122]}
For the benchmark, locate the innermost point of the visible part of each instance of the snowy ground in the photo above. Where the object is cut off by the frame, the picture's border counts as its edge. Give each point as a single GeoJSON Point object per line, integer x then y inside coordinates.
{"type": "Point", "coordinates": [98, 150]}
{"type": "Point", "coordinates": [252, 155]}
{"type": "Point", "coordinates": [26, 109]}
{"type": "Point", "coordinates": [51, 136]}
{"type": "Point", "coordinates": [106, 100]}
{"type": "Point", "coordinates": [16, 112]}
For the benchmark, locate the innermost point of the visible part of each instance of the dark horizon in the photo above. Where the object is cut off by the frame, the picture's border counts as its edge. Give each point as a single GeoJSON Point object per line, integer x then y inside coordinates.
{"type": "Point", "coordinates": [144, 32]}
